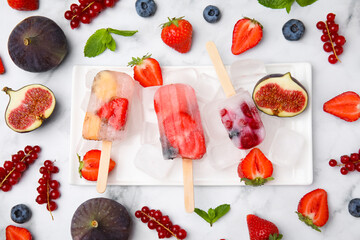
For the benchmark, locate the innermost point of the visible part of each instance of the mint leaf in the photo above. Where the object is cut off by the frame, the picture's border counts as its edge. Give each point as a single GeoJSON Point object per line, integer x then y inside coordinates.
{"type": "Point", "coordinates": [102, 39]}
{"type": "Point", "coordinates": [122, 33]}
{"type": "Point", "coordinates": [111, 45]}
{"type": "Point", "coordinates": [94, 45]}
{"type": "Point", "coordinates": [202, 214]}
{"type": "Point", "coordinates": [304, 3]}
{"type": "Point", "coordinates": [276, 4]}
{"type": "Point", "coordinates": [213, 215]}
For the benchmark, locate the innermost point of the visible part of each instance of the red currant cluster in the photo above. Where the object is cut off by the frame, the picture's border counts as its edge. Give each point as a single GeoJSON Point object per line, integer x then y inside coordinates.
{"type": "Point", "coordinates": [348, 163]}
{"type": "Point", "coordinates": [11, 173]}
{"type": "Point", "coordinates": [333, 42]}
{"type": "Point", "coordinates": [86, 11]}
{"type": "Point", "coordinates": [48, 189]}
{"type": "Point", "coordinates": [162, 224]}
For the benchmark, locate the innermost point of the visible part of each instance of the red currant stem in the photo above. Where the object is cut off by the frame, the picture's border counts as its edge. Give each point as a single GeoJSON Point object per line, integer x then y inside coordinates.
{"type": "Point", "coordinates": [48, 195]}
{"type": "Point", "coordinates": [343, 164]}
{"type": "Point", "coordinates": [12, 170]}
{"type": "Point", "coordinates": [160, 225]}
{"type": "Point", "coordinates": [83, 9]}
{"type": "Point", "coordinates": [332, 44]}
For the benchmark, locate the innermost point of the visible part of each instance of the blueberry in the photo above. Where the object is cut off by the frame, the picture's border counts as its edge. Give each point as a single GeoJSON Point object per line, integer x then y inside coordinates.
{"type": "Point", "coordinates": [20, 213]}
{"type": "Point", "coordinates": [234, 133]}
{"type": "Point", "coordinates": [212, 14]}
{"type": "Point", "coordinates": [354, 207]}
{"type": "Point", "coordinates": [293, 30]}
{"type": "Point", "coordinates": [145, 8]}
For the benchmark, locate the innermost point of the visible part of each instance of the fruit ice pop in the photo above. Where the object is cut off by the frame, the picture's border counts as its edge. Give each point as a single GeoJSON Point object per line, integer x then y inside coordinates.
{"type": "Point", "coordinates": [238, 112]}
{"type": "Point", "coordinates": [242, 121]}
{"type": "Point", "coordinates": [108, 106]}
{"type": "Point", "coordinates": [105, 118]}
{"type": "Point", "coordinates": [181, 132]}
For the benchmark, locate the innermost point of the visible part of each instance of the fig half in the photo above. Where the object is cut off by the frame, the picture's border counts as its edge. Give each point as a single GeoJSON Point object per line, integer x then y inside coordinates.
{"type": "Point", "coordinates": [37, 44]}
{"type": "Point", "coordinates": [280, 95]}
{"type": "Point", "coordinates": [100, 219]}
{"type": "Point", "coordinates": [28, 107]}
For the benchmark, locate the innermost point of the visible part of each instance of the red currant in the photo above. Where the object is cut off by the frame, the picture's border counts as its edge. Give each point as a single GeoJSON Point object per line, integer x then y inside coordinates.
{"type": "Point", "coordinates": [15, 158]}
{"type": "Point", "coordinates": [138, 214]}
{"type": "Point", "coordinates": [20, 166]}
{"type": "Point", "coordinates": [47, 176]}
{"type": "Point", "coordinates": [41, 199]}
{"type": "Point", "coordinates": [96, 6]}
{"type": "Point", "coordinates": [75, 22]}
{"type": "Point", "coordinates": [181, 234]}
{"type": "Point", "coordinates": [92, 13]}
{"type": "Point", "coordinates": [43, 170]}
{"type": "Point", "coordinates": [338, 50]}
{"type": "Point", "coordinates": [2, 172]}
{"type": "Point", "coordinates": [73, 6]}
{"type": "Point", "coordinates": [325, 31]}
{"type": "Point", "coordinates": [332, 162]}
{"type": "Point", "coordinates": [165, 219]}
{"type": "Point", "coordinates": [21, 154]}
{"type": "Point", "coordinates": [340, 40]}
{"type": "Point", "coordinates": [83, 2]}
{"type": "Point", "coordinates": [152, 224]}
{"type": "Point", "coordinates": [162, 234]}
{"type": "Point", "coordinates": [357, 167]}
{"type": "Point", "coordinates": [33, 156]}
{"type": "Point", "coordinates": [15, 175]}
{"type": "Point", "coordinates": [52, 206]}
{"type": "Point", "coordinates": [42, 181]}
{"type": "Point", "coordinates": [330, 17]}
{"type": "Point", "coordinates": [344, 159]}
{"type": "Point", "coordinates": [343, 171]}
{"type": "Point", "coordinates": [157, 215]}
{"type": "Point", "coordinates": [6, 187]}
{"type": "Point", "coordinates": [8, 165]}
{"type": "Point", "coordinates": [13, 181]}
{"type": "Point", "coordinates": [41, 189]}
{"type": "Point", "coordinates": [333, 36]}
{"type": "Point", "coordinates": [36, 149]}
{"type": "Point", "coordinates": [350, 166]}
{"type": "Point", "coordinates": [28, 149]}
{"type": "Point", "coordinates": [354, 157]}
{"type": "Point", "coordinates": [68, 15]}
{"type": "Point", "coordinates": [54, 194]}
{"type": "Point", "coordinates": [327, 47]}
{"type": "Point", "coordinates": [54, 184]}
{"type": "Point", "coordinates": [334, 28]}
{"type": "Point", "coordinates": [144, 219]}
{"type": "Point", "coordinates": [320, 25]}
{"type": "Point", "coordinates": [55, 169]}
{"type": "Point", "coordinates": [152, 212]}
{"type": "Point", "coordinates": [145, 209]}
{"type": "Point", "coordinates": [85, 18]}
{"type": "Point", "coordinates": [325, 38]}
{"type": "Point", "coordinates": [50, 168]}
{"type": "Point", "coordinates": [329, 23]}
{"type": "Point", "coordinates": [48, 163]}
{"type": "Point", "coordinates": [109, 3]}
{"type": "Point", "coordinates": [332, 59]}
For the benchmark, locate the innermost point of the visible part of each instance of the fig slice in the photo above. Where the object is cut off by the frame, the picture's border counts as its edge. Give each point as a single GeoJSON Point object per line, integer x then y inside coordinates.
{"type": "Point", "coordinates": [100, 219]}
{"type": "Point", "coordinates": [280, 95]}
{"type": "Point", "coordinates": [28, 107]}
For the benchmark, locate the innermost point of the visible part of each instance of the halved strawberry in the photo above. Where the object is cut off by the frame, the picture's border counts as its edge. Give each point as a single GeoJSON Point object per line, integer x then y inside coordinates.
{"type": "Point", "coordinates": [247, 34]}
{"type": "Point", "coordinates": [261, 229]}
{"type": "Point", "coordinates": [17, 233]}
{"type": "Point", "coordinates": [345, 106]}
{"type": "Point", "coordinates": [24, 5]}
{"type": "Point", "coordinates": [184, 134]}
{"type": "Point", "coordinates": [2, 69]}
{"type": "Point", "coordinates": [89, 166]}
{"type": "Point", "coordinates": [114, 112]}
{"type": "Point", "coordinates": [255, 169]}
{"type": "Point", "coordinates": [313, 209]}
{"type": "Point", "coordinates": [147, 71]}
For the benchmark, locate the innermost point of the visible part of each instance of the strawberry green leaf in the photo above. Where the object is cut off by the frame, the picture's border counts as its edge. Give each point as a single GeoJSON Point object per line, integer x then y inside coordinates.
{"type": "Point", "coordinates": [304, 3]}
{"type": "Point", "coordinates": [94, 45]}
{"type": "Point", "coordinates": [202, 214]}
{"type": "Point", "coordinates": [308, 221]}
{"type": "Point", "coordinates": [257, 181]}
{"type": "Point", "coordinates": [81, 165]}
{"type": "Point", "coordinates": [275, 236]}
{"type": "Point", "coordinates": [122, 33]}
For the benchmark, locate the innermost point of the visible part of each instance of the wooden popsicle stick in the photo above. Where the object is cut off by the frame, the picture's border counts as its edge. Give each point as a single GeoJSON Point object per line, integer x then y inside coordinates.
{"type": "Point", "coordinates": [104, 166]}
{"type": "Point", "coordinates": [188, 185]}
{"type": "Point", "coordinates": [220, 69]}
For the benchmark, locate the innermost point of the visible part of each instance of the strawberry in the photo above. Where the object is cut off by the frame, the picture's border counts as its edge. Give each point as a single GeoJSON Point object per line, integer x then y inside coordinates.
{"type": "Point", "coordinates": [17, 233]}
{"type": "Point", "coordinates": [2, 69]}
{"type": "Point", "coordinates": [24, 5]}
{"type": "Point", "coordinates": [177, 34]}
{"type": "Point", "coordinates": [147, 71]}
{"type": "Point", "coordinates": [182, 133]}
{"type": "Point", "coordinates": [255, 169]}
{"type": "Point", "coordinates": [313, 209]}
{"type": "Point", "coordinates": [261, 229]}
{"type": "Point", "coordinates": [114, 112]}
{"type": "Point", "coordinates": [89, 166]}
{"type": "Point", "coordinates": [247, 34]}
{"type": "Point", "coordinates": [345, 106]}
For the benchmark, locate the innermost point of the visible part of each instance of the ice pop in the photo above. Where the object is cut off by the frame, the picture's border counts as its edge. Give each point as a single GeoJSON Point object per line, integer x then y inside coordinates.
{"type": "Point", "coordinates": [181, 132]}
{"type": "Point", "coordinates": [238, 112]}
{"type": "Point", "coordinates": [106, 115]}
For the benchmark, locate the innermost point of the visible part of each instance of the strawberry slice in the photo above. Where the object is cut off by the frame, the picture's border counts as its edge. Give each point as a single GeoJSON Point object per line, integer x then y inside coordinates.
{"type": "Point", "coordinates": [261, 229]}
{"type": "Point", "coordinates": [247, 34]}
{"type": "Point", "coordinates": [2, 69]}
{"type": "Point", "coordinates": [147, 71]}
{"type": "Point", "coordinates": [114, 112]}
{"type": "Point", "coordinates": [89, 166]}
{"type": "Point", "coordinates": [255, 169]}
{"type": "Point", "coordinates": [313, 209]}
{"type": "Point", "coordinates": [17, 233]}
{"type": "Point", "coordinates": [183, 133]}
{"type": "Point", "coordinates": [345, 106]}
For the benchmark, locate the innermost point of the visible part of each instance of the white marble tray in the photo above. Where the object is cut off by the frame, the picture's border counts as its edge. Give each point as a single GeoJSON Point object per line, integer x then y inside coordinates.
{"type": "Point", "coordinates": [205, 174]}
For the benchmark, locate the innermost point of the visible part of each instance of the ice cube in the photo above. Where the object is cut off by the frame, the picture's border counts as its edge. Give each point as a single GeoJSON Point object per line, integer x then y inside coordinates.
{"type": "Point", "coordinates": [286, 147]}
{"type": "Point", "coordinates": [206, 88]}
{"type": "Point", "coordinates": [224, 155]}
{"type": "Point", "coordinates": [147, 98]}
{"type": "Point", "coordinates": [271, 125]}
{"type": "Point", "coordinates": [246, 72]}
{"type": "Point", "coordinates": [149, 160]}
{"type": "Point", "coordinates": [150, 134]}
{"type": "Point", "coordinates": [176, 75]}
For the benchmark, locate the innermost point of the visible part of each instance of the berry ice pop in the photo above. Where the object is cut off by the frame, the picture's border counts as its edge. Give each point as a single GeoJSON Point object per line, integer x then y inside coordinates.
{"type": "Point", "coordinates": [238, 112]}
{"type": "Point", "coordinates": [181, 132]}
{"type": "Point", "coordinates": [106, 115]}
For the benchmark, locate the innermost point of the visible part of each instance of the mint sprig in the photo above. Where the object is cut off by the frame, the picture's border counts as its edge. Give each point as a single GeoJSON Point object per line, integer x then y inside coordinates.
{"type": "Point", "coordinates": [213, 214]}
{"type": "Point", "coordinates": [279, 4]}
{"type": "Point", "coordinates": [102, 40]}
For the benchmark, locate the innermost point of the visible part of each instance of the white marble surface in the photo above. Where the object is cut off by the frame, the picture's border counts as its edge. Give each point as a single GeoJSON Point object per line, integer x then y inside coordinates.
{"type": "Point", "coordinates": [332, 137]}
